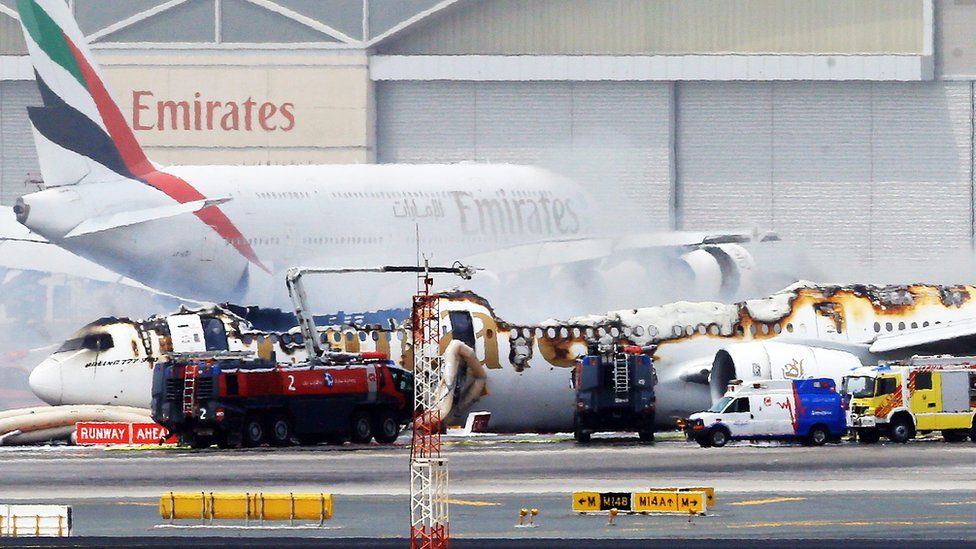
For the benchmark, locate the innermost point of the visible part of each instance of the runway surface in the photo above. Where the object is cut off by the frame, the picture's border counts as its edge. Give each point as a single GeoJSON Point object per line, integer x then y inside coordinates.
{"type": "Point", "coordinates": [918, 491]}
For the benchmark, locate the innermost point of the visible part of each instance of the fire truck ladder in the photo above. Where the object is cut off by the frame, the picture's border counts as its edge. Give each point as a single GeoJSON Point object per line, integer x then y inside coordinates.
{"type": "Point", "coordinates": [189, 389]}
{"type": "Point", "coordinates": [621, 379]}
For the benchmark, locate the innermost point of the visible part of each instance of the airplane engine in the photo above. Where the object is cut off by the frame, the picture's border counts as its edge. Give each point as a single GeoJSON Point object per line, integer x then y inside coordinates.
{"type": "Point", "coordinates": [719, 270]}
{"type": "Point", "coordinates": [749, 361]}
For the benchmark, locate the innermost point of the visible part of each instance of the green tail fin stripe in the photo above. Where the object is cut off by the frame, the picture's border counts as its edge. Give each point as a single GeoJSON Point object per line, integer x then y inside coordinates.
{"type": "Point", "coordinates": [49, 36]}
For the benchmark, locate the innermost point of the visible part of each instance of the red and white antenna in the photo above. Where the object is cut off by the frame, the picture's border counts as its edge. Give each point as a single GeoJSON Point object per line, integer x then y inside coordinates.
{"type": "Point", "coordinates": [429, 519]}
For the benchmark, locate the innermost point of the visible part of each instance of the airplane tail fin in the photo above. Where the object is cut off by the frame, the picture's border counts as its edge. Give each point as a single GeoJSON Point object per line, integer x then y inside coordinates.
{"type": "Point", "coordinates": [80, 132]}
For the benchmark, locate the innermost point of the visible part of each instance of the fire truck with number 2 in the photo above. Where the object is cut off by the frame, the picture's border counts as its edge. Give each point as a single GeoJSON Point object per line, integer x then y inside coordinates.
{"type": "Point", "coordinates": [232, 400]}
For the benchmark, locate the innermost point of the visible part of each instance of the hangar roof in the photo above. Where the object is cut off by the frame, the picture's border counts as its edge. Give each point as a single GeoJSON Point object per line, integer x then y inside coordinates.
{"type": "Point", "coordinates": [504, 27]}
{"type": "Point", "coordinates": [667, 27]}
{"type": "Point", "coordinates": [152, 23]}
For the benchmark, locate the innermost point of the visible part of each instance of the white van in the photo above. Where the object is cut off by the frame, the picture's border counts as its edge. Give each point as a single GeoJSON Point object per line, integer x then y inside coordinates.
{"type": "Point", "coordinates": [804, 409]}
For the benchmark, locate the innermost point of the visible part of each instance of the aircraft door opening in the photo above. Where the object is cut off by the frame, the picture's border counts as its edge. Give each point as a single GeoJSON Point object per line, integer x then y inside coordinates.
{"type": "Point", "coordinates": [462, 328]}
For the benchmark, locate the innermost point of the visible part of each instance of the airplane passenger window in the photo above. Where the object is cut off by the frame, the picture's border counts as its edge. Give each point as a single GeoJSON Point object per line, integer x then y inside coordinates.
{"type": "Point", "coordinates": [563, 332]}
{"type": "Point", "coordinates": [638, 331]}
{"type": "Point", "coordinates": [888, 326]}
{"type": "Point", "coordinates": [752, 329]}
{"type": "Point", "coordinates": [551, 332]}
{"type": "Point", "coordinates": [764, 328]}
{"type": "Point", "coordinates": [576, 332]}
{"type": "Point", "coordinates": [901, 325]}
{"type": "Point", "coordinates": [714, 329]}
{"type": "Point", "coordinates": [777, 328]}
{"type": "Point", "coordinates": [614, 332]}
{"type": "Point", "coordinates": [652, 331]}
{"type": "Point", "coordinates": [877, 327]}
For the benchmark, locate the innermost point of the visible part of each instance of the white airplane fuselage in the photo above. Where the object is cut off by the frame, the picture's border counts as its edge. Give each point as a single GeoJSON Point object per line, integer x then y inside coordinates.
{"type": "Point", "coordinates": [323, 215]}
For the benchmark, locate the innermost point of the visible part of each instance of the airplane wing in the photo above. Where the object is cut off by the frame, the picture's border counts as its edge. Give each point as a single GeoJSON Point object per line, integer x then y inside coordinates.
{"type": "Point", "coordinates": [22, 250]}
{"type": "Point", "coordinates": [571, 250]}
{"type": "Point", "coordinates": [934, 333]}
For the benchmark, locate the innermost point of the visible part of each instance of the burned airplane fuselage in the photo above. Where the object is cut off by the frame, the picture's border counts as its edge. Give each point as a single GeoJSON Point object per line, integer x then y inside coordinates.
{"type": "Point", "coordinates": [806, 330]}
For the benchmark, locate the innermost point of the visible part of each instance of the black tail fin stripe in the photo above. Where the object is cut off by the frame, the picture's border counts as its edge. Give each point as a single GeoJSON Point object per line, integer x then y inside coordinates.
{"type": "Point", "coordinates": [69, 128]}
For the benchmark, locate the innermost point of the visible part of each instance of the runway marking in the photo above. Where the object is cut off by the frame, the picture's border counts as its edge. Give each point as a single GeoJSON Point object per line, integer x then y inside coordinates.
{"type": "Point", "coordinates": [958, 503]}
{"type": "Point", "coordinates": [135, 504]}
{"type": "Point", "coordinates": [765, 501]}
{"type": "Point", "coordinates": [852, 523]}
{"type": "Point", "coordinates": [470, 503]}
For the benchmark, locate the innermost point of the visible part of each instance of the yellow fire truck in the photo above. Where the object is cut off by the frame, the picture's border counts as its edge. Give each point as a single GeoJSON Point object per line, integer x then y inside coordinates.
{"type": "Point", "coordinates": [923, 394]}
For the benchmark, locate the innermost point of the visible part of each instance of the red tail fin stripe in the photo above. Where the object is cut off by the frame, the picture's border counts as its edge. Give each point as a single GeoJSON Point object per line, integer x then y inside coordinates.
{"type": "Point", "coordinates": [117, 127]}
{"type": "Point", "coordinates": [140, 167]}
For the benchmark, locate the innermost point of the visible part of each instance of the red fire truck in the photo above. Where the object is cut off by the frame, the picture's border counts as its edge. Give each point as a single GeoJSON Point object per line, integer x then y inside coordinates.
{"type": "Point", "coordinates": [232, 399]}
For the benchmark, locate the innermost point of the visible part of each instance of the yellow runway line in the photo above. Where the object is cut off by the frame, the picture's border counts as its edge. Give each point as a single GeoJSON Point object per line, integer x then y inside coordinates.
{"type": "Point", "coordinates": [469, 503]}
{"type": "Point", "coordinates": [765, 501]}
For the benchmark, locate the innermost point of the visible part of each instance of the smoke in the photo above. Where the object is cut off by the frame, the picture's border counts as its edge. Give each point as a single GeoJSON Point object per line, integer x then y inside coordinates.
{"type": "Point", "coordinates": [38, 311]}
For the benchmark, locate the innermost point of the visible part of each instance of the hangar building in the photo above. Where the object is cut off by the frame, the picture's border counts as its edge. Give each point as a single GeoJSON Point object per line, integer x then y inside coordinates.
{"type": "Point", "coordinates": [833, 122]}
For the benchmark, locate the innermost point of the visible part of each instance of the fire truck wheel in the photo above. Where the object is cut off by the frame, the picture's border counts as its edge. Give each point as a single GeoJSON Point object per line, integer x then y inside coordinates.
{"type": "Point", "coordinates": [817, 436]}
{"type": "Point", "coordinates": [386, 428]}
{"type": "Point", "coordinates": [280, 431]}
{"type": "Point", "coordinates": [718, 437]}
{"type": "Point", "coordinates": [901, 430]}
{"type": "Point", "coordinates": [361, 427]}
{"type": "Point", "coordinates": [253, 433]}
{"type": "Point", "coordinates": [646, 436]}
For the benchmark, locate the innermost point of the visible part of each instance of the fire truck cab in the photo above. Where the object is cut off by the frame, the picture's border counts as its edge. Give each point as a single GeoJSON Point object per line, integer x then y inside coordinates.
{"type": "Point", "coordinates": [923, 394]}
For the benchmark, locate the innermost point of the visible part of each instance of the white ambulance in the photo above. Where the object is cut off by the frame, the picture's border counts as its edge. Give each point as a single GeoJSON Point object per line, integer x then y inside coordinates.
{"type": "Point", "coordinates": [803, 409]}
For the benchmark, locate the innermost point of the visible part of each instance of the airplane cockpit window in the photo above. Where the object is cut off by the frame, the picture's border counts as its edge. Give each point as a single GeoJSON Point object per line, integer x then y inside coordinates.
{"type": "Point", "coordinates": [214, 335]}
{"type": "Point", "coordinates": [91, 342]}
